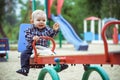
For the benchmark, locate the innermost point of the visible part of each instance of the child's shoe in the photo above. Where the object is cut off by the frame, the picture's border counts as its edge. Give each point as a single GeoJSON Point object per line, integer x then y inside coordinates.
{"type": "Point", "coordinates": [63, 66]}
{"type": "Point", "coordinates": [23, 72]}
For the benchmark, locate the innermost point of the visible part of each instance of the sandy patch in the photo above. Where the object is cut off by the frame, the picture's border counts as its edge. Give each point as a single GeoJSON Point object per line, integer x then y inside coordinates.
{"type": "Point", "coordinates": [8, 69]}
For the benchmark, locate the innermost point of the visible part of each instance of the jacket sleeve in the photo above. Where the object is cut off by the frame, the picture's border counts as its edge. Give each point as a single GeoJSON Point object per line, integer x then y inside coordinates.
{"type": "Point", "coordinates": [29, 38]}
{"type": "Point", "coordinates": [28, 35]}
{"type": "Point", "coordinates": [52, 32]}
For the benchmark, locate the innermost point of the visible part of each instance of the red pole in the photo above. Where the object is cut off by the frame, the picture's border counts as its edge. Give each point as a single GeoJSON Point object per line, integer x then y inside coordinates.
{"type": "Point", "coordinates": [115, 35]}
{"type": "Point", "coordinates": [49, 8]}
{"type": "Point", "coordinates": [59, 6]}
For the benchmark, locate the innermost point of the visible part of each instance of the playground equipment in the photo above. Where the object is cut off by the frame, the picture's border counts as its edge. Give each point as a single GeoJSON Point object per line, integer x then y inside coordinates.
{"type": "Point", "coordinates": [4, 47]}
{"type": "Point", "coordinates": [90, 35]}
{"type": "Point", "coordinates": [65, 28]}
{"type": "Point", "coordinates": [21, 41]}
{"type": "Point", "coordinates": [115, 34]}
{"type": "Point", "coordinates": [106, 58]}
{"type": "Point", "coordinates": [111, 58]}
{"type": "Point", "coordinates": [69, 33]}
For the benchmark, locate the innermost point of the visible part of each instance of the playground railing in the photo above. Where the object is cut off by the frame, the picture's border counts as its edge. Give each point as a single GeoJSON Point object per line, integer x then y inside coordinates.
{"type": "Point", "coordinates": [105, 39]}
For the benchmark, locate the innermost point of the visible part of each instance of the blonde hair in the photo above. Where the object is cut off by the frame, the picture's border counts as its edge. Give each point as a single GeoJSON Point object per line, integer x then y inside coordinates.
{"type": "Point", "coordinates": [39, 12]}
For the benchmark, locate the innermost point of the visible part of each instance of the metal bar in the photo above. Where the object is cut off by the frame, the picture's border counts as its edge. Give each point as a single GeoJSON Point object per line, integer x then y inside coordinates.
{"type": "Point", "coordinates": [104, 38]}
{"type": "Point", "coordinates": [80, 59]}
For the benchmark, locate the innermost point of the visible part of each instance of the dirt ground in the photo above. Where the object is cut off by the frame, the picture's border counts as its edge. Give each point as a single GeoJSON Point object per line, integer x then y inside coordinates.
{"type": "Point", "coordinates": [8, 69]}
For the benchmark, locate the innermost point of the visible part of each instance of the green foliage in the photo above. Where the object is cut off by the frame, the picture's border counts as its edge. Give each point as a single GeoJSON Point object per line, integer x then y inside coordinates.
{"type": "Point", "coordinates": [74, 11]}
{"type": "Point", "coordinates": [26, 10]}
{"type": "Point", "coordinates": [110, 8]}
{"type": "Point", "coordinates": [12, 33]}
{"type": "Point", "coordinates": [7, 15]}
{"type": "Point", "coordinates": [2, 4]}
{"type": "Point", "coordinates": [93, 7]}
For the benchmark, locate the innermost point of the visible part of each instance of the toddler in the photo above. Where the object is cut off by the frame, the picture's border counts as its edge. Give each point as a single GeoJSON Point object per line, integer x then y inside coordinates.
{"type": "Point", "coordinates": [38, 28]}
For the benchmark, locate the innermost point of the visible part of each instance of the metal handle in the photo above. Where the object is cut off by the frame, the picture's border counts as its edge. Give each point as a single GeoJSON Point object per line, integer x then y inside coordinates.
{"type": "Point", "coordinates": [104, 37]}
{"type": "Point", "coordinates": [47, 38]}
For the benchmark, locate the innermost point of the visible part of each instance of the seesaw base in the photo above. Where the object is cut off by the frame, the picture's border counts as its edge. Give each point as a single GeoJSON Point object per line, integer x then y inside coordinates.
{"type": "Point", "coordinates": [78, 59]}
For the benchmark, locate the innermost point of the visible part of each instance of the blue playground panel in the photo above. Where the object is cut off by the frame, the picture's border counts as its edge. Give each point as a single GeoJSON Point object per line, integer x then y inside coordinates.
{"type": "Point", "coordinates": [119, 37]}
{"type": "Point", "coordinates": [4, 48]}
{"type": "Point", "coordinates": [96, 36]}
{"type": "Point", "coordinates": [4, 44]}
{"type": "Point", "coordinates": [88, 36]}
{"type": "Point", "coordinates": [21, 41]}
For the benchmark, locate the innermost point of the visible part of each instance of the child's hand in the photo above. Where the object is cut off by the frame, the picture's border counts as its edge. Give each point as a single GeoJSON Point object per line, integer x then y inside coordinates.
{"type": "Point", "coordinates": [36, 38]}
{"type": "Point", "coordinates": [56, 26]}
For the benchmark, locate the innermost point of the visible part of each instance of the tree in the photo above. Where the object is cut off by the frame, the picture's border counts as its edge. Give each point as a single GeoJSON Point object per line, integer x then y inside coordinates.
{"type": "Point", "coordinates": [2, 3]}
{"type": "Point", "coordinates": [93, 7]}
{"type": "Point", "coordinates": [110, 8]}
{"type": "Point", "coordinates": [74, 12]}
{"type": "Point", "coordinates": [7, 14]}
{"type": "Point", "coordinates": [26, 10]}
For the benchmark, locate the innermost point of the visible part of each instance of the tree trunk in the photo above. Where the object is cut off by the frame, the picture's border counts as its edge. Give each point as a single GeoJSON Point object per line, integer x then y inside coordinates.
{"type": "Point", "coordinates": [2, 33]}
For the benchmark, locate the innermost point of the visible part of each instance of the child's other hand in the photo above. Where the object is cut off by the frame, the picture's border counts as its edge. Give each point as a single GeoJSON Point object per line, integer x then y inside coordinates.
{"type": "Point", "coordinates": [56, 26]}
{"type": "Point", "coordinates": [36, 38]}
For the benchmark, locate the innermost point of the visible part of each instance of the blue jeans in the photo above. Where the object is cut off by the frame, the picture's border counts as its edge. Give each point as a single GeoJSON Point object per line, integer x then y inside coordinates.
{"type": "Point", "coordinates": [25, 58]}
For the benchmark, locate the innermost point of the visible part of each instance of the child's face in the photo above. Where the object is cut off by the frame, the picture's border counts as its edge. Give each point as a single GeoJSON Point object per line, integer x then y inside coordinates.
{"type": "Point", "coordinates": [40, 21]}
